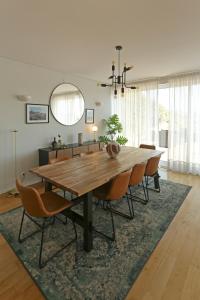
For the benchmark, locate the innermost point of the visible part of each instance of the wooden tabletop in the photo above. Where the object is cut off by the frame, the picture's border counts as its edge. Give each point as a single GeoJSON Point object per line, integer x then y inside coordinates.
{"type": "Point", "coordinates": [81, 175]}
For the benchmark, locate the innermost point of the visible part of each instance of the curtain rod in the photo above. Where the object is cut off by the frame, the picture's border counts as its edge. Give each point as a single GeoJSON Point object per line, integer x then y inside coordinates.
{"type": "Point", "coordinates": [163, 79]}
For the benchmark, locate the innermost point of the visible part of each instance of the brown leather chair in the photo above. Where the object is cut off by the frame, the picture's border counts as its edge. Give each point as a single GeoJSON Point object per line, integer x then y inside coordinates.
{"type": "Point", "coordinates": [46, 207]}
{"type": "Point", "coordinates": [136, 180]}
{"type": "Point", "coordinates": [58, 159]}
{"type": "Point", "coordinates": [112, 191]}
{"type": "Point", "coordinates": [83, 154]}
{"type": "Point", "coordinates": [152, 171]}
{"type": "Point", "coordinates": [39, 186]}
{"type": "Point", "coordinates": [145, 146]}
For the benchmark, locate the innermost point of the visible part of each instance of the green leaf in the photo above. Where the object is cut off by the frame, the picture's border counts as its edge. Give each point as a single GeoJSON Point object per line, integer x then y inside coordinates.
{"type": "Point", "coordinates": [122, 140]}
{"type": "Point", "coordinates": [114, 126]}
{"type": "Point", "coordinates": [104, 139]}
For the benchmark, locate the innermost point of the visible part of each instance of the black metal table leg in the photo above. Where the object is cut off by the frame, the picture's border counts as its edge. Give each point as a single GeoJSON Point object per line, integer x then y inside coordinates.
{"type": "Point", "coordinates": [48, 186]}
{"type": "Point", "coordinates": [87, 213]}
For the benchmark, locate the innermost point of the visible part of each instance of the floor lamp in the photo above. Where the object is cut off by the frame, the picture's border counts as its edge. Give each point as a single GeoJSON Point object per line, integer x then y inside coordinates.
{"type": "Point", "coordinates": [14, 191]}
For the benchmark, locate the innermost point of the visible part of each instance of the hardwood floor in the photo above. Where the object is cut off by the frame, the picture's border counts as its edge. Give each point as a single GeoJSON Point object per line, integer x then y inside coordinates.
{"type": "Point", "coordinates": [171, 273]}
{"type": "Point", "coordinates": [8, 202]}
{"type": "Point", "coordinates": [15, 283]}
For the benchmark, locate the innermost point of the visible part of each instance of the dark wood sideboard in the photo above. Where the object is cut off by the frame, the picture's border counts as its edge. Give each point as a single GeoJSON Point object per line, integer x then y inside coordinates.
{"type": "Point", "coordinates": [69, 150]}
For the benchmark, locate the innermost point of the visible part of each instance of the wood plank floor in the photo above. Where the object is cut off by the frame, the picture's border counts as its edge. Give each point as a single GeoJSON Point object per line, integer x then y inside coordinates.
{"type": "Point", "coordinates": [171, 273]}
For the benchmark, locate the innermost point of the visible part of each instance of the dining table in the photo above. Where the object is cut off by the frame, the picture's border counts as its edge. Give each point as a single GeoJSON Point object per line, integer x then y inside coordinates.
{"type": "Point", "coordinates": [82, 175]}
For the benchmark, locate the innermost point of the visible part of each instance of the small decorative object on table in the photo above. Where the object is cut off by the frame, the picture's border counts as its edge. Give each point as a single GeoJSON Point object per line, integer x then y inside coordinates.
{"type": "Point", "coordinates": [60, 141]}
{"type": "Point", "coordinates": [113, 149]}
{"type": "Point", "coordinates": [80, 138]}
{"type": "Point", "coordinates": [54, 143]}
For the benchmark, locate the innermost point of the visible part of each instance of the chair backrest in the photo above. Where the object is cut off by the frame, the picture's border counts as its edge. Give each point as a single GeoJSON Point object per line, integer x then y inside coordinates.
{"type": "Point", "coordinates": [137, 174]}
{"type": "Point", "coordinates": [147, 146]}
{"type": "Point", "coordinates": [152, 166]}
{"type": "Point", "coordinates": [86, 153]}
{"type": "Point", "coordinates": [119, 185]}
{"type": "Point", "coordinates": [31, 201]}
{"type": "Point", "coordinates": [58, 159]}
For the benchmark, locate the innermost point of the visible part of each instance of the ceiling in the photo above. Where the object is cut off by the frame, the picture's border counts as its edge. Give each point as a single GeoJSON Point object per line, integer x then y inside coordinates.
{"type": "Point", "coordinates": [79, 36]}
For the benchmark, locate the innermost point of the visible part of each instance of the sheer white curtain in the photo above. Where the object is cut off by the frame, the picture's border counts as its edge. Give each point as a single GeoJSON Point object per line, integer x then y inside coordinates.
{"type": "Point", "coordinates": [138, 112]}
{"type": "Point", "coordinates": [184, 124]}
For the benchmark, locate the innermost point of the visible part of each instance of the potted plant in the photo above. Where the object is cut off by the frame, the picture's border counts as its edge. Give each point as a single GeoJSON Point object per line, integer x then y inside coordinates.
{"type": "Point", "coordinates": [113, 128]}
{"type": "Point", "coordinates": [112, 137]}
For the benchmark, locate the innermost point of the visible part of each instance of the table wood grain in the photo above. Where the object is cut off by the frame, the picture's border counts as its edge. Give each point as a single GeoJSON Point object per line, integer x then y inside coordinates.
{"type": "Point", "coordinates": [81, 175]}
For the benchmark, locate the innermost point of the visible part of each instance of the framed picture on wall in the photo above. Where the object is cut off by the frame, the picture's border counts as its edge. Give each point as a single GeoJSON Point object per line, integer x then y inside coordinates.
{"type": "Point", "coordinates": [37, 113]}
{"type": "Point", "coordinates": [89, 116]}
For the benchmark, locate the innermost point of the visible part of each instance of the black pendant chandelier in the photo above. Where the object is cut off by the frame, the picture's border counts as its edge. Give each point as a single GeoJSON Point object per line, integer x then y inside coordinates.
{"type": "Point", "coordinates": [120, 78]}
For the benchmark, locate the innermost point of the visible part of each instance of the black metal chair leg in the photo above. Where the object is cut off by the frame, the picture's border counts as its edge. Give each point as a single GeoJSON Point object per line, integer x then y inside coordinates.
{"type": "Point", "coordinates": [42, 229]}
{"type": "Point", "coordinates": [130, 208]}
{"type": "Point", "coordinates": [44, 263]}
{"type": "Point", "coordinates": [21, 240]}
{"type": "Point", "coordinates": [113, 225]}
{"type": "Point", "coordinates": [20, 230]}
{"type": "Point", "coordinates": [41, 265]}
{"type": "Point", "coordinates": [111, 238]}
{"type": "Point", "coordinates": [75, 231]}
{"type": "Point", "coordinates": [146, 184]}
{"type": "Point", "coordinates": [137, 198]}
{"type": "Point", "coordinates": [145, 193]}
{"type": "Point", "coordinates": [156, 182]}
{"type": "Point", "coordinates": [130, 216]}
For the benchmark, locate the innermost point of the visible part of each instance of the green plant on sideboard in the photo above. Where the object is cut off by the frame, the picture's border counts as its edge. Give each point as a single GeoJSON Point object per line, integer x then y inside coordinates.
{"type": "Point", "coordinates": [113, 128]}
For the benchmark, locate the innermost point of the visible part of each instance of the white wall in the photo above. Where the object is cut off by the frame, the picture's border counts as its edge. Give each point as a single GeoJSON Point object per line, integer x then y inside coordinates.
{"type": "Point", "coordinates": [18, 78]}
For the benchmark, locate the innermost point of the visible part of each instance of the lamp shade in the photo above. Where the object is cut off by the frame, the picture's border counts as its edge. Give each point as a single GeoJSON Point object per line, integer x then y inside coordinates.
{"type": "Point", "coordinates": [94, 128]}
{"type": "Point", "coordinates": [24, 98]}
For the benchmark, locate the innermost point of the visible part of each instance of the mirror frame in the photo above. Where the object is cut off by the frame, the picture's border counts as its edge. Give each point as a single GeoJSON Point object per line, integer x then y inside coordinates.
{"type": "Point", "coordinates": [50, 102]}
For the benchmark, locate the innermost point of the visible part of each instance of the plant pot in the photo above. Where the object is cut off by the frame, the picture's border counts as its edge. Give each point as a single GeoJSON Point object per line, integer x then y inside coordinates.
{"type": "Point", "coordinates": [113, 149]}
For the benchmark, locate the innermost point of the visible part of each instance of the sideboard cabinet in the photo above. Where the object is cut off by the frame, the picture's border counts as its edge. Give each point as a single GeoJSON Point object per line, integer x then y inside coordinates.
{"type": "Point", "coordinates": [70, 150]}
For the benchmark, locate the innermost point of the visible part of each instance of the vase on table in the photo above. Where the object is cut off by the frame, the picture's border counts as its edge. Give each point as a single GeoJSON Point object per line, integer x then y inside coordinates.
{"type": "Point", "coordinates": [80, 138]}
{"type": "Point", "coordinates": [54, 144]}
{"type": "Point", "coordinates": [113, 149]}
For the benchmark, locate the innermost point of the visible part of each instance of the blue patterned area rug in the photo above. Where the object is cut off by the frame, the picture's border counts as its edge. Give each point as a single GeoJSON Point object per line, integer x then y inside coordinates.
{"type": "Point", "coordinates": [109, 270]}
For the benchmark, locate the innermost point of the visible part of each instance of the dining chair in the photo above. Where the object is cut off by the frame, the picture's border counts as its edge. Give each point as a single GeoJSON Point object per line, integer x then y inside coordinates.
{"type": "Point", "coordinates": [83, 154]}
{"type": "Point", "coordinates": [39, 186]}
{"type": "Point", "coordinates": [152, 171]}
{"type": "Point", "coordinates": [58, 159]}
{"type": "Point", "coordinates": [145, 146]}
{"type": "Point", "coordinates": [136, 182]}
{"type": "Point", "coordinates": [113, 191]}
{"type": "Point", "coordinates": [46, 207]}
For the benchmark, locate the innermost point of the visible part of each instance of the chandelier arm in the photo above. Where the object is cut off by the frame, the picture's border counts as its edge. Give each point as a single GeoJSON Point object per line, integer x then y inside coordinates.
{"type": "Point", "coordinates": [105, 85]}
{"type": "Point", "coordinates": [131, 87]}
{"type": "Point", "coordinates": [115, 91]}
{"type": "Point", "coordinates": [124, 72]}
{"type": "Point", "coordinates": [119, 62]}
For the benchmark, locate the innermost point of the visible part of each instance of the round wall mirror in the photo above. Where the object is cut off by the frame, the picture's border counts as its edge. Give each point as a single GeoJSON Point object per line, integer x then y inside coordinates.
{"type": "Point", "coordinates": [67, 104]}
